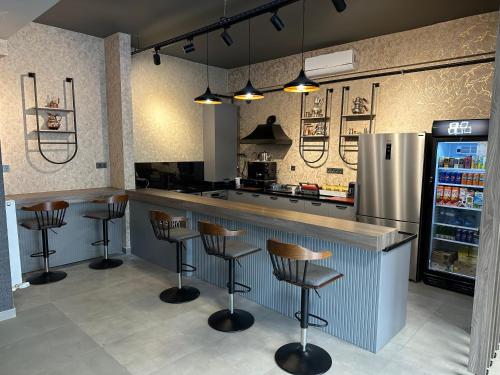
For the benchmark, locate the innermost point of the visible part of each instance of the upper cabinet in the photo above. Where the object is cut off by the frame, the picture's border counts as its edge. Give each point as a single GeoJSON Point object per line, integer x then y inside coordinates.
{"type": "Point", "coordinates": [220, 137]}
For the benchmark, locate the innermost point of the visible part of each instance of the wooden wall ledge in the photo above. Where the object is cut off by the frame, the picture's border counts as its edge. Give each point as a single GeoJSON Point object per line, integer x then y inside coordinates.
{"type": "Point", "coordinates": [70, 196]}
{"type": "Point", "coordinates": [372, 237]}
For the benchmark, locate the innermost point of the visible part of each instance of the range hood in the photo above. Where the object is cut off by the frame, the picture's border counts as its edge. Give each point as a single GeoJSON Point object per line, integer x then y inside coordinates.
{"type": "Point", "coordinates": [269, 133]}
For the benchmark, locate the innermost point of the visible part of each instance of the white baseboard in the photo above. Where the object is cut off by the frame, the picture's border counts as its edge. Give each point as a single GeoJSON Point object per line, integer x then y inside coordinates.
{"type": "Point", "coordinates": [7, 314]}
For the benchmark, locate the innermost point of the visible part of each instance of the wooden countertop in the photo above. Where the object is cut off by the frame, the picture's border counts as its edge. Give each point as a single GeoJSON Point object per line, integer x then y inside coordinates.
{"type": "Point", "coordinates": [372, 237]}
{"type": "Point", "coordinates": [70, 196]}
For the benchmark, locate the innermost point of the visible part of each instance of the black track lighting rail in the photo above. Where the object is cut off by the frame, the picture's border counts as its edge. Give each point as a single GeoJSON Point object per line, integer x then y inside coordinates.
{"type": "Point", "coordinates": [223, 23]}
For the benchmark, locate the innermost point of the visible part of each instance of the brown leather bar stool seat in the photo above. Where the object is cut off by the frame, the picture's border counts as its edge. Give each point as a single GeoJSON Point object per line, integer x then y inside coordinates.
{"type": "Point", "coordinates": [174, 230]}
{"type": "Point", "coordinates": [48, 215]}
{"type": "Point", "coordinates": [291, 263]}
{"type": "Point", "coordinates": [116, 206]}
{"type": "Point", "coordinates": [216, 243]}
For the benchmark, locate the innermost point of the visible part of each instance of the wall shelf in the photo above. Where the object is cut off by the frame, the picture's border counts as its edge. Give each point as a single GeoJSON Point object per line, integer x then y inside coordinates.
{"type": "Point", "coordinates": [363, 117]}
{"type": "Point", "coordinates": [39, 132]}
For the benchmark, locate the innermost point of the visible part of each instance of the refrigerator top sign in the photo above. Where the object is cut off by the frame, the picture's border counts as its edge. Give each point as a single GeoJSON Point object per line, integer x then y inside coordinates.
{"type": "Point", "coordinates": [460, 128]}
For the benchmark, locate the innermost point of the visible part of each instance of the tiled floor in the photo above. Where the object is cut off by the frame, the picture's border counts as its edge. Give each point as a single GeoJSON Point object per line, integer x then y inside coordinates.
{"type": "Point", "coordinates": [112, 322]}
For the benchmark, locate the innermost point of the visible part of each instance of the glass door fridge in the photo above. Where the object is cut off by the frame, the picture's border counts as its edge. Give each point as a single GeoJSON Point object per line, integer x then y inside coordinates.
{"type": "Point", "coordinates": [454, 203]}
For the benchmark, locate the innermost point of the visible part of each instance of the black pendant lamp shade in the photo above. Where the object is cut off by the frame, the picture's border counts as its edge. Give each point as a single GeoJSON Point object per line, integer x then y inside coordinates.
{"type": "Point", "coordinates": [302, 83]}
{"type": "Point", "coordinates": [208, 98]}
{"type": "Point", "coordinates": [249, 92]}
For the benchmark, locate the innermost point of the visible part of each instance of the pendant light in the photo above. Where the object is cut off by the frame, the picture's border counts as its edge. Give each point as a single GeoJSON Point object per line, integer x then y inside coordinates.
{"type": "Point", "coordinates": [207, 97]}
{"type": "Point", "coordinates": [302, 83]}
{"type": "Point", "coordinates": [249, 92]}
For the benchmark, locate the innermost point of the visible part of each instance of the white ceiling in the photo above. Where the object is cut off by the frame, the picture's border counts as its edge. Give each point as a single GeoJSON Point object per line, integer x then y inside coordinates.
{"type": "Point", "coordinates": [14, 14]}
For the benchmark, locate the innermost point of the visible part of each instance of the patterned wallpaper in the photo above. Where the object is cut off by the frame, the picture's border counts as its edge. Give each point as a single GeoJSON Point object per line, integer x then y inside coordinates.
{"type": "Point", "coordinates": [168, 125]}
{"type": "Point", "coordinates": [53, 54]}
{"type": "Point", "coordinates": [406, 103]}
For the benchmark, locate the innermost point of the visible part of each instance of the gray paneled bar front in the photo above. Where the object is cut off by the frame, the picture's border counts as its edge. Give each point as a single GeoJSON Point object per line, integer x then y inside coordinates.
{"type": "Point", "coordinates": [367, 307]}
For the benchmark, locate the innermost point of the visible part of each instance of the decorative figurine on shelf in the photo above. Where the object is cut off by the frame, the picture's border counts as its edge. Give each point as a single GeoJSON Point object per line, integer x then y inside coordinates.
{"type": "Point", "coordinates": [317, 110]}
{"type": "Point", "coordinates": [53, 121]}
{"type": "Point", "coordinates": [359, 106]}
{"type": "Point", "coordinates": [54, 103]}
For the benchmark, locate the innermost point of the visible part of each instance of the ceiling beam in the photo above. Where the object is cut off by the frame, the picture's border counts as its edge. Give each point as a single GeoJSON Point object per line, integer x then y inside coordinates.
{"type": "Point", "coordinates": [221, 24]}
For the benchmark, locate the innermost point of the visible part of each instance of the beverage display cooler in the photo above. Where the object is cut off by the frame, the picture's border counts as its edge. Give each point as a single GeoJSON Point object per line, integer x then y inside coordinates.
{"type": "Point", "coordinates": [453, 203]}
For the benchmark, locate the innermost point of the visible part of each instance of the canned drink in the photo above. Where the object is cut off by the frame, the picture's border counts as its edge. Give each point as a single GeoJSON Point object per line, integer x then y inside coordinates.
{"type": "Point", "coordinates": [463, 236]}
{"type": "Point", "coordinates": [452, 177]}
{"type": "Point", "coordinates": [458, 234]}
{"type": "Point", "coordinates": [447, 177]}
{"type": "Point", "coordinates": [458, 178]}
{"type": "Point", "coordinates": [476, 238]}
{"type": "Point", "coordinates": [470, 236]}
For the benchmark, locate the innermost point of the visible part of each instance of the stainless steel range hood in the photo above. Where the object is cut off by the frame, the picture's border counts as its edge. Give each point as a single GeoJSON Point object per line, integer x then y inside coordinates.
{"type": "Point", "coordinates": [269, 133]}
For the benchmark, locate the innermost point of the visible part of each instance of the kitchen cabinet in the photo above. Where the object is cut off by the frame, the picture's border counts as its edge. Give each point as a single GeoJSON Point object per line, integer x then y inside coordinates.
{"type": "Point", "coordinates": [341, 211]}
{"type": "Point", "coordinates": [317, 208]}
{"type": "Point", "coordinates": [247, 197]}
{"type": "Point", "coordinates": [220, 141]}
{"type": "Point", "coordinates": [294, 204]}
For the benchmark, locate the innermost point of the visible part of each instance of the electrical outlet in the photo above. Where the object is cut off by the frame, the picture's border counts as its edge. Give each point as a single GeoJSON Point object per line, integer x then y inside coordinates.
{"type": "Point", "coordinates": [6, 168]}
{"type": "Point", "coordinates": [101, 165]}
{"type": "Point", "coordinates": [292, 168]}
{"type": "Point", "coordinates": [335, 170]}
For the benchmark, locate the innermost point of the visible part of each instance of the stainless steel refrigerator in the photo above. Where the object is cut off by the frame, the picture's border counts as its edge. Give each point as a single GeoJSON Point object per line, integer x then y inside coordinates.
{"type": "Point", "coordinates": [390, 172]}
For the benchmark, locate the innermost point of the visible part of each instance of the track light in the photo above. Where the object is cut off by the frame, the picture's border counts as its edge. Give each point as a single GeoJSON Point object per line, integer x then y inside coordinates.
{"type": "Point", "coordinates": [156, 56]}
{"type": "Point", "coordinates": [277, 22]}
{"type": "Point", "coordinates": [339, 5]}
{"type": "Point", "coordinates": [226, 38]}
{"type": "Point", "coordinates": [188, 48]}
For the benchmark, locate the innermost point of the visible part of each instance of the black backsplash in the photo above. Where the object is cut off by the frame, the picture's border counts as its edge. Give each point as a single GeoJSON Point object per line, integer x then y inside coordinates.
{"type": "Point", "coordinates": [169, 175]}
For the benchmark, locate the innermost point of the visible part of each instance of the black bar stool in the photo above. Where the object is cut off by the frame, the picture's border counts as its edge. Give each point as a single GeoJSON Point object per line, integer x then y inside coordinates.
{"type": "Point", "coordinates": [173, 229]}
{"type": "Point", "coordinates": [48, 215]}
{"type": "Point", "coordinates": [116, 206]}
{"type": "Point", "coordinates": [291, 264]}
{"type": "Point", "coordinates": [215, 242]}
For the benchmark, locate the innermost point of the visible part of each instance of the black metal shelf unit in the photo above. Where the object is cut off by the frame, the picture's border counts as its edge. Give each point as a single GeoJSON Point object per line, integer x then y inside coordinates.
{"type": "Point", "coordinates": [314, 148]}
{"type": "Point", "coordinates": [348, 143]}
{"type": "Point", "coordinates": [66, 111]}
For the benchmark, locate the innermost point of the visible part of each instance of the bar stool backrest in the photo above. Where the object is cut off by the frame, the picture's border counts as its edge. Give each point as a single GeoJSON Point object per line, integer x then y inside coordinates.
{"type": "Point", "coordinates": [290, 261]}
{"type": "Point", "coordinates": [49, 214]}
{"type": "Point", "coordinates": [214, 237]}
{"type": "Point", "coordinates": [117, 204]}
{"type": "Point", "coordinates": [163, 222]}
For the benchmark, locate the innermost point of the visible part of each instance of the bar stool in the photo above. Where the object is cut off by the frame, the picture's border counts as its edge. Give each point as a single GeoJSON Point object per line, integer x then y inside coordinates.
{"type": "Point", "coordinates": [291, 264]}
{"type": "Point", "coordinates": [48, 215]}
{"type": "Point", "coordinates": [173, 230]}
{"type": "Point", "coordinates": [116, 206]}
{"type": "Point", "coordinates": [215, 242]}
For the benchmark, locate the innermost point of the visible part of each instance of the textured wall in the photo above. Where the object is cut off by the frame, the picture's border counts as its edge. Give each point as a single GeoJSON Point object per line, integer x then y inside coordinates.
{"type": "Point", "coordinates": [168, 125]}
{"type": "Point", "coordinates": [3, 47]}
{"type": "Point", "coordinates": [407, 103]}
{"type": "Point", "coordinates": [53, 54]}
{"type": "Point", "coordinates": [5, 282]}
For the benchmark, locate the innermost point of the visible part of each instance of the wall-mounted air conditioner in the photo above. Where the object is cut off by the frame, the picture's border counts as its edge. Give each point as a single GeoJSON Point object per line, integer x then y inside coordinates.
{"type": "Point", "coordinates": [330, 64]}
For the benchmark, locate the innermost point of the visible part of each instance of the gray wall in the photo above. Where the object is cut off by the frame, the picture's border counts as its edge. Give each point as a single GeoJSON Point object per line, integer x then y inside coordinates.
{"type": "Point", "coordinates": [5, 283]}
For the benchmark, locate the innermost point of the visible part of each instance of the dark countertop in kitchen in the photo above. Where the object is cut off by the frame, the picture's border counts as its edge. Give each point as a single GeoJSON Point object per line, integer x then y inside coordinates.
{"type": "Point", "coordinates": [321, 198]}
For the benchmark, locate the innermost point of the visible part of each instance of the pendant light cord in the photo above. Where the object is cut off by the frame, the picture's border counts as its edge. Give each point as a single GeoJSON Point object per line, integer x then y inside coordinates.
{"type": "Point", "coordinates": [249, 47]}
{"type": "Point", "coordinates": [303, 31]}
{"type": "Point", "coordinates": [208, 80]}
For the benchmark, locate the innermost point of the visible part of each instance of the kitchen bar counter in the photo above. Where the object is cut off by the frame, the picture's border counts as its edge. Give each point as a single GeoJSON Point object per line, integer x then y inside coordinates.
{"type": "Point", "coordinates": [70, 196]}
{"type": "Point", "coordinates": [351, 232]}
{"type": "Point", "coordinates": [367, 307]}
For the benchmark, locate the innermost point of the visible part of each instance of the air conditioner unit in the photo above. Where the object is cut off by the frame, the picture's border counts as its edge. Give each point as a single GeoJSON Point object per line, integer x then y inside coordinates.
{"type": "Point", "coordinates": [330, 64]}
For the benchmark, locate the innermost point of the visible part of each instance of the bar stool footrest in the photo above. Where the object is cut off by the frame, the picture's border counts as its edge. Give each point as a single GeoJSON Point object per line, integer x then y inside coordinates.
{"type": "Point", "coordinates": [323, 322]}
{"type": "Point", "coordinates": [40, 254]}
{"type": "Point", "coordinates": [98, 243]}
{"type": "Point", "coordinates": [189, 269]}
{"type": "Point", "coordinates": [246, 288]}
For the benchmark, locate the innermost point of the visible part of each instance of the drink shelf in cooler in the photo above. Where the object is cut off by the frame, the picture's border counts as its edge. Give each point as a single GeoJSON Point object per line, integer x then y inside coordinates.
{"type": "Point", "coordinates": [453, 273]}
{"type": "Point", "coordinates": [461, 185]}
{"type": "Point", "coordinates": [459, 208]}
{"type": "Point", "coordinates": [464, 170]}
{"type": "Point", "coordinates": [457, 226]}
{"type": "Point", "coordinates": [457, 242]}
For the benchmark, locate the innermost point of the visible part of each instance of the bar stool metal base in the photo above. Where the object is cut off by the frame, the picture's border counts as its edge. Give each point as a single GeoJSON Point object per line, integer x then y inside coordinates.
{"type": "Point", "coordinates": [224, 321]}
{"type": "Point", "coordinates": [176, 295]}
{"type": "Point", "coordinates": [104, 264]}
{"type": "Point", "coordinates": [292, 359]}
{"type": "Point", "coordinates": [46, 277]}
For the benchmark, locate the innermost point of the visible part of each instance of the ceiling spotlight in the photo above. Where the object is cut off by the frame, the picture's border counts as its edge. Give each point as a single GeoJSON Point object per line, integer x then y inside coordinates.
{"type": "Point", "coordinates": [277, 22]}
{"type": "Point", "coordinates": [156, 56]}
{"type": "Point", "coordinates": [339, 5]}
{"type": "Point", "coordinates": [226, 38]}
{"type": "Point", "coordinates": [188, 48]}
